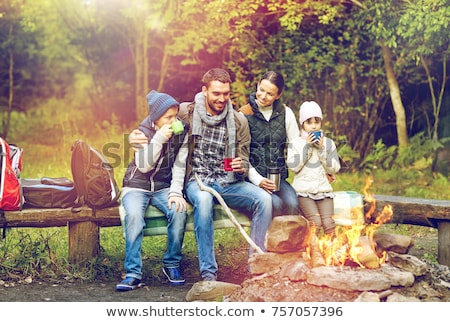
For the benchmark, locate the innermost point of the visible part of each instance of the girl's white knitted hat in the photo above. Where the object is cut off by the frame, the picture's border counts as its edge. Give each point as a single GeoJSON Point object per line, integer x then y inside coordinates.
{"type": "Point", "coordinates": [309, 109]}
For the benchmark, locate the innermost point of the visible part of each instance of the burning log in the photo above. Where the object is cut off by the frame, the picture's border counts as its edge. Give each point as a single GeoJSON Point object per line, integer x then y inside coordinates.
{"type": "Point", "coordinates": [367, 256]}
{"type": "Point", "coordinates": [317, 259]}
{"type": "Point", "coordinates": [341, 255]}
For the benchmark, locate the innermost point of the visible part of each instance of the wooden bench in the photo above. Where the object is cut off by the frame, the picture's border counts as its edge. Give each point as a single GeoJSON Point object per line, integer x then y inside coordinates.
{"type": "Point", "coordinates": [422, 212]}
{"type": "Point", "coordinates": [84, 226]}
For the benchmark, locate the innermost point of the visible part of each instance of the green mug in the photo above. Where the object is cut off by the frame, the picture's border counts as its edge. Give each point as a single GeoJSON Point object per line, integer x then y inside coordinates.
{"type": "Point", "coordinates": [177, 127]}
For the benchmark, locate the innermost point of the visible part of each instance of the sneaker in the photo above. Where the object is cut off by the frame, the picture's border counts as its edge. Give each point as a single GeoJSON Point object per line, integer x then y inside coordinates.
{"type": "Point", "coordinates": [129, 284]}
{"type": "Point", "coordinates": [174, 276]}
{"type": "Point", "coordinates": [209, 277]}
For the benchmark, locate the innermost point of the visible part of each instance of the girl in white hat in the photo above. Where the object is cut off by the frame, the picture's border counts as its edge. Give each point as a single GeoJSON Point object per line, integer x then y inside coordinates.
{"type": "Point", "coordinates": [313, 157]}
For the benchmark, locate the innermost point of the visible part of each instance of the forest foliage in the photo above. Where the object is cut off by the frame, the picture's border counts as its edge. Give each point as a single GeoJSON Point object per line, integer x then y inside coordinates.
{"type": "Point", "coordinates": [82, 68]}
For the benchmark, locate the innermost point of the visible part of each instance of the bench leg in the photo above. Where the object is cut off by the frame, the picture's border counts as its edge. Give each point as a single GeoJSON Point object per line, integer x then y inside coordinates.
{"type": "Point", "coordinates": [444, 243]}
{"type": "Point", "coordinates": [84, 241]}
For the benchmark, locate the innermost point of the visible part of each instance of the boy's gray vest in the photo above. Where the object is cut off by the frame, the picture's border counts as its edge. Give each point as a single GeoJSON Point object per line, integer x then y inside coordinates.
{"type": "Point", "coordinates": [160, 176]}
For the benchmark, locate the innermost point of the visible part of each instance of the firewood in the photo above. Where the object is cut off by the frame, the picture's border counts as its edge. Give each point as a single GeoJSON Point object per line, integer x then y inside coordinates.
{"type": "Point", "coordinates": [367, 257]}
{"type": "Point", "coordinates": [317, 259]}
{"type": "Point", "coordinates": [408, 263]}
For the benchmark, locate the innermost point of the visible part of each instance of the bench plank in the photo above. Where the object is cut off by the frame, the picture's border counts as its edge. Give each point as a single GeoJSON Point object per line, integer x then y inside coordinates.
{"type": "Point", "coordinates": [415, 211]}
{"type": "Point", "coordinates": [58, 217]}
{"type": "Point", "coordinates": [422, 212]}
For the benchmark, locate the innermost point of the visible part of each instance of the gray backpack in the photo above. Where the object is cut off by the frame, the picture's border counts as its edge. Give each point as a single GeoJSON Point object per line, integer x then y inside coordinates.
{"type": "Point", "coordinates": [93, 178]}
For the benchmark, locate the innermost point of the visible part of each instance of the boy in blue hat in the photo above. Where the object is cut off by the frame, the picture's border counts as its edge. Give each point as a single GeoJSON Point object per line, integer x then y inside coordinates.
{"type": "Point", "coordinates": [155, 177]}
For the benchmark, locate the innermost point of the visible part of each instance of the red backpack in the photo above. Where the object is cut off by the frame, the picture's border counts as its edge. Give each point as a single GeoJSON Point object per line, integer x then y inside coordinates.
{"type": "Point", "coordinates": [11, 196]}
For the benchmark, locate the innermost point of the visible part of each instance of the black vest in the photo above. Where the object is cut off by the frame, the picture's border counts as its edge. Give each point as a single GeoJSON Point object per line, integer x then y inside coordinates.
{"type": "Point", "coordinates": [268, 138]}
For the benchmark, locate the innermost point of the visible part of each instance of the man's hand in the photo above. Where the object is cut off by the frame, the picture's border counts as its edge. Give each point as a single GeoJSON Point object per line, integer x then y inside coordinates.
{"type": "Point", "coordinates": [236, 164]}
{"type": "Point", "coordinates": [137, 139]}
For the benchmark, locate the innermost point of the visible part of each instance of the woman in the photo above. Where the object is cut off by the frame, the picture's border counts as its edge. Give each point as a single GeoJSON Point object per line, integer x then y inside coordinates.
{"type": "Point", "coordinates": [272, 126]}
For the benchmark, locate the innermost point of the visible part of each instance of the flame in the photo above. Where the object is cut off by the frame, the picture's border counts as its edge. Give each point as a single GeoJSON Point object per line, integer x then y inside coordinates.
{"type": "Point", "coordinates": [352, 242]}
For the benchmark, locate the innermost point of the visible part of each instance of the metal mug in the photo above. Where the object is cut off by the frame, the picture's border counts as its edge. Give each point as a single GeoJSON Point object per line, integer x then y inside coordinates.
{"type": "Point", "coordinates": [317, 135]}
{"type": "Point", "coordinates": [274, 175]}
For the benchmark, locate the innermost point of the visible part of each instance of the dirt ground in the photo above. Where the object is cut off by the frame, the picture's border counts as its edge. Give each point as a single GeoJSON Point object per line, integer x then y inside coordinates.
{"type": "Point", "coordinates": [232, 268]}
{"type": "Point", "coordinates": [157, 289]}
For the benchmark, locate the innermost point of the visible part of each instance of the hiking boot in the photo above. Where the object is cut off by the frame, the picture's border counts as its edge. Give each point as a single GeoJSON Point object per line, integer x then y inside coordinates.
{"type": "Point", "coordinates": [129, 284]}
{"type": "Point", "coordinates": [174, 276]}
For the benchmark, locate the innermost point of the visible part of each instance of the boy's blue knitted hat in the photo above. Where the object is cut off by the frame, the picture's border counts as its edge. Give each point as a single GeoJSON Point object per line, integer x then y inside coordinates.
{"type": "Point", "coordinates": [159, 103]}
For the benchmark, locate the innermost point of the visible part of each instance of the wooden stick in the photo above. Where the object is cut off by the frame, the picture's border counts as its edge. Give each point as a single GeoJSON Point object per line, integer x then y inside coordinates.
{"type": "Point", "coordinates": [229, 213]}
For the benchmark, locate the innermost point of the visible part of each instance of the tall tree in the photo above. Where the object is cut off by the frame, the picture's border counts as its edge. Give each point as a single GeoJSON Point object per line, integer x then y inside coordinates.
{"type": "Point", "coordinates": [424, 28]}
{"type": "Point", "coordinates": [380, 17]}
{"type": "Point", "coordinates": [414, 30]}
{"type": "Point", "coordinates": [18, 56]}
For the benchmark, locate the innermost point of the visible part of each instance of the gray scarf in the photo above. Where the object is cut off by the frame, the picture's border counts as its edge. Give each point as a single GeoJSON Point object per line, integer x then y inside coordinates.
{"type": "Point", "coordinates": [200, 116]}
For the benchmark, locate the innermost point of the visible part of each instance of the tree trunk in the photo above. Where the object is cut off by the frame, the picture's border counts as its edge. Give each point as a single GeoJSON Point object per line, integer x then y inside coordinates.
{"type": "Point", "coordinates": [163, 68]}
{"type": "Point", "coordinates": [437, 102]}
{"type": "Point", "coordinates": [145, 73]}
{"type": "Point", "coordinates": [141, 57]}
{"type": "Point", "coordinates": [7, 115]}
{"type": "Point", "coordinates": [396, 99]}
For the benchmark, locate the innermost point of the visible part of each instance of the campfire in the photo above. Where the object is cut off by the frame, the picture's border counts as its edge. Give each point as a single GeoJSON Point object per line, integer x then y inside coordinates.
{"type": "Point", "coordinates": [353, 244]}
{"type": "Point", "coordinates": [358, 264]}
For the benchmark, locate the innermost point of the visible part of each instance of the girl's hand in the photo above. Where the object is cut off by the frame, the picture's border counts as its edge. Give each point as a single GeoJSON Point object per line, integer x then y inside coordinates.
{"type": "Point", "coordinates": [311, 139]}
{"type": "Point", "coordinates": [319, 143]}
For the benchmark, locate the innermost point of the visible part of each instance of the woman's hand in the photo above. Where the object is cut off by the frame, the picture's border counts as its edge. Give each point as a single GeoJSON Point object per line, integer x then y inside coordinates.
{"type": "Point", "coordinates": [267, 185]}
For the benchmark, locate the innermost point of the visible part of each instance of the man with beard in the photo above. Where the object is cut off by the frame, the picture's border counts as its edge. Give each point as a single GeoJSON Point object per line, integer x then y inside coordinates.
{"type": "Point", "coordinates": [218, 132]}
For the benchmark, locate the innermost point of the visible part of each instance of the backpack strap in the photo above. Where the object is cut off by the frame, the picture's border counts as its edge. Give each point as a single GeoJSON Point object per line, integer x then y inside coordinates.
{"type": "Point", "coordinates": [246, 109]}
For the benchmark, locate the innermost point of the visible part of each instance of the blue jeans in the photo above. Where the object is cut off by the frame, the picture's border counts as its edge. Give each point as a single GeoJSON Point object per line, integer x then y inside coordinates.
{"type": "Point", "coordinates": [242, 196]}
{"type": "Point", "coordinates": [285, 201]}
{"type": "Point", "coordinates": [135, 203]}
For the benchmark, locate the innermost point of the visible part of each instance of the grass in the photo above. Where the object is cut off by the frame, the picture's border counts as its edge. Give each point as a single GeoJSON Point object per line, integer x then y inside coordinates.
{"type": "Point", "coordinates": [42, 253]}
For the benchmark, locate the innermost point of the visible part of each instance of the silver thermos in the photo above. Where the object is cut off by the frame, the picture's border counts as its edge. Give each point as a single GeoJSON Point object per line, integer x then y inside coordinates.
{"type": "Point", "coordinates": [274, 175]}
